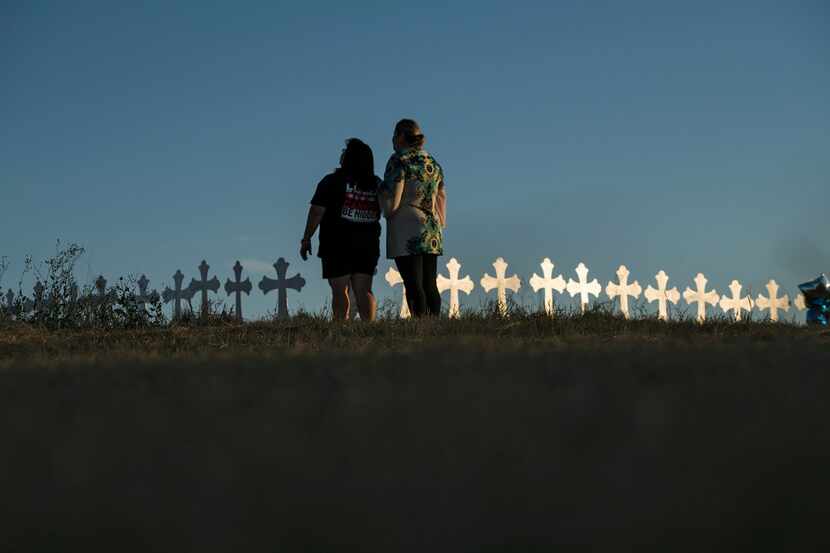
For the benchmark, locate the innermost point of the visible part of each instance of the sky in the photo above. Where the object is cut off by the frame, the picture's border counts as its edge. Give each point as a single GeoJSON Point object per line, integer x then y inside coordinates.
{"type": "Point", "coordinates": [684, 136]}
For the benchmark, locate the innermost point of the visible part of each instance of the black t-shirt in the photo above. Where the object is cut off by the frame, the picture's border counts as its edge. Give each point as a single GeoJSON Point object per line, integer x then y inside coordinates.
{"type": "Point", "coordinates": [351, 224]}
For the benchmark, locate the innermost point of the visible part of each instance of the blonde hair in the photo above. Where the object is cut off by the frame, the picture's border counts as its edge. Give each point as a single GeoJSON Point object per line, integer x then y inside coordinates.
{"type": "Point", "coordinates": [411, 133]}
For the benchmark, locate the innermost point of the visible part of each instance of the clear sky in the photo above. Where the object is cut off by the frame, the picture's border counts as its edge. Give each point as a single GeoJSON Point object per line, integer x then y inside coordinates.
{"type": "Point", "coordinates": [684, 136]}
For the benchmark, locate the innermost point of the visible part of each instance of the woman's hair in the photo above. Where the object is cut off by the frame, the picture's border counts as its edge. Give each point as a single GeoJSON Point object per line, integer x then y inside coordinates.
{"type": "Point", "coordinates": [411, 133]}
{"type": "Point", "coordinates": [357, 161]}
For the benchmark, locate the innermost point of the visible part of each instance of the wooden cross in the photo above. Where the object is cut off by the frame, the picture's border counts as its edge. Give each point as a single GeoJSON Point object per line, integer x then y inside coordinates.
{"type": "Point", "coordinates": [238, 286]}
{"type": "Point", "coordinates": [177, 294]}
{"type": "Point", "coordinates": [143, 296]}
{"type": "Point", "coordinates": [40, 301]}
{"type": "Point", "coordinates": [583, 287]}
{"type": "Point", "coordinates": [9, 307]}
{"type": "Point", "coordinates": [98, 297]}
{"type": "Point", "coordinates": [547, 283]}
{"type": "Point", "coordinates": [501, 283]}
{"type": "Point", "coordinates": [662, 295]}
{"type": "Point", "coordinates": [353, 310]}
{"type": "Point", "coordinates": [204, 286]}
{"type": "Point", "coordinates": [281, 285]}
{"type": "Point", "coordinates": [454, 284]}
{"type": "Point", "coordinates": [623, 289]}
{"type": "Point", "coordinates": [393, 277]}
{"type": "Point", "coordinates": [773, 303]}
{"type": "Point", "coordinates": [700, 296]}
{"type": "Point", "coordinates": [736, 303]}
{"type": "Point", "coordinates": [26, 305]}
{"type": "Point", "coordinates": [101, 286]}
{"type": "Point", "coordinates": [799, 303]}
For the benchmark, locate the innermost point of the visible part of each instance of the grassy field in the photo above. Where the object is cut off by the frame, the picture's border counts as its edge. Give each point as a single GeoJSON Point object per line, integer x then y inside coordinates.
{"type": "Point", "coordinates": [483, 434]}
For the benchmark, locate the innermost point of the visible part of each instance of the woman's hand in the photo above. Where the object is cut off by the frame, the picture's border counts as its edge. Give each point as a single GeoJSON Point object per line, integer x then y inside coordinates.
{"type": "Point", "coordinates": [305, 248]}
{"type": "Point", "coordinates": [391, 191]}
{"type": "Point", "coordinates": [441, 205]}
{"type": "Point", "coordinates": [315, 217]}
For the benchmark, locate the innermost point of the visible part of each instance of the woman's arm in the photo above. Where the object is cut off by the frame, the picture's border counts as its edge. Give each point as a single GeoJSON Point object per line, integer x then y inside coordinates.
{"type": "Point", "coordinates": [441, 205]}
{"type": "Point", "coordinates": [391, 191]}
{"type": "Point", "coordinates": [315, 216]}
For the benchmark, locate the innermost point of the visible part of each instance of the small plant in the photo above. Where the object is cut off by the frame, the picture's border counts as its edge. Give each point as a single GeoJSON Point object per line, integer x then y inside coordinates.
{"type": "Point", "coordinates": [217, 313]}
{"type": "Point", "coordinates": [129, 312]}
{"type": "Point", "coordinates": [56, 301]}
{"type": "Point", "coordinates": [59, 303]}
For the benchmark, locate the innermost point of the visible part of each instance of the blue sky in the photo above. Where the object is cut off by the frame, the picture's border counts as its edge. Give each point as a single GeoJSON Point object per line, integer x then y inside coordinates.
{"type": "Point", "coordinates": [689, 137]}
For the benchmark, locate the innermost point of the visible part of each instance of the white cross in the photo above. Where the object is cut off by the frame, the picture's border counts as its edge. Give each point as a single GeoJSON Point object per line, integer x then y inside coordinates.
{"type": "Point", "coordinates": [623, 289]}
{"type": "Point", "coordinates": [353, 310]}
{"type": "Point", "coordinates": [736, 303]}
{"type": "Point", "coordinates": [393, 277]}
{"type": "Point", "coordinates": [773, 302]}
{"type": "Point", "coordinates": [700, 296]}
{"type": "Point", "coordinates": [501, 283]}
{"type": "Point", "coordinates": [454, 284]}
{"type": "Point", "coordinates": [583, 287]}
{"type": "Point", "coordinates": [662, 295]}
{"type": "Point", "coordinates": [547, 283]}
{"type": "Point", "coordinates": [800, 303]}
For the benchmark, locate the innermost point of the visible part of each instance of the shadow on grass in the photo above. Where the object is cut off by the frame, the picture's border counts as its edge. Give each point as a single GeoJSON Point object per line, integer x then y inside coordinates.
{"type": "Point", "coordinates": [460, 441]}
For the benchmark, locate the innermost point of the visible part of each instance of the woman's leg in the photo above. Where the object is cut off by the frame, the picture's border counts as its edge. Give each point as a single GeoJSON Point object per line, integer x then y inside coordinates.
{"type": "Point", "coordinates": [412, 272]}
{"type": "Point", "coordinates": [433, 296]}
{"type": "Point", "coordinates": [367, 306]}
{"type": "Point", "coordinates": [340, 297]}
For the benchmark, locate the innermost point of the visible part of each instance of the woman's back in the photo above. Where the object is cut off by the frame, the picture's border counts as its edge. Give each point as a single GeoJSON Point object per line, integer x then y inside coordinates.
{"type": "Point", "coordinates": [414, 201]}
{"type": "Point", "coordinates": [414, 184]}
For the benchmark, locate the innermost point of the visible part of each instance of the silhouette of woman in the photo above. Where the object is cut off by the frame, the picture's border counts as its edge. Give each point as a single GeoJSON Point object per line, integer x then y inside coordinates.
{"type": "Point", "coordinates": [413, 201]}
{"type": "Point", "coordinates": [345, 207]}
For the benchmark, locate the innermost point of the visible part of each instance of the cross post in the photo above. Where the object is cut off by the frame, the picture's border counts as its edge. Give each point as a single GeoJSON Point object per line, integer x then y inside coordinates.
{"type": "Point", "coordinates": [204, 286]}
{"type": "Point", "coordinates": [662, 295]}
{"type": "Point", "coordinates": [177, 294]}
{"type": "Point", "coordinates": [623, 289]}
{"type": "Point", "coordinates": [282, 285]}
{"type": "Point", "coordinates": [799, 303]}
{"type": "Point", "coordinates": [773, 303]}
{"type": "Point", "coordinates": [454, 284]}
{"type": "Point", "coordinates": [501, 283]}
{"type": "Point", "coordinates": [700, 296]}
{"type": "Point", "coordinates": [393, 277]}
{"type": "Point", "coordinates": [582, 287]}
{"type": "Point", "coordinates": [8, 308]}
{"type": "Point", "coordinates": [547, 283]}
{"type": "Point", "coordinates": [237, 287]}
{"type": "Point", "coordinates": [144, 297]}
{"type": "Point", "coordinates": [40, 300]}
{"type": "Point", "coordinates": [736, 303]}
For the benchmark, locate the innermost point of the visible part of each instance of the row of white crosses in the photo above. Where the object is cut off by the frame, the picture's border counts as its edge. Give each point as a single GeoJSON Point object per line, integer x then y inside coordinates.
{"type": "Point", "coordinates": [621, 290]}
{"type": "Point", "coordinates": [547, 283]}
{"type": "Point", "coordinates": [453, 284]}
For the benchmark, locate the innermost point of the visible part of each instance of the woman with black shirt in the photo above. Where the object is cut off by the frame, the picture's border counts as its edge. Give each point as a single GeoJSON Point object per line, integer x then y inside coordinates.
{"type": "Point", "coordinates": [345, 207]}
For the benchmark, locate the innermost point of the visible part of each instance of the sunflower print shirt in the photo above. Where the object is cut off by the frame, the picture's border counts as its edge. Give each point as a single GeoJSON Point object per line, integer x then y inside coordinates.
{"type": "Point", "coordinates": [413, 193]}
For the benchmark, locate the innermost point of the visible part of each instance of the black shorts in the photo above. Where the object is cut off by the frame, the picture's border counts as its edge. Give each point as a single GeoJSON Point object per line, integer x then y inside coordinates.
{"type": "Point", "coordinates": [338, 266]}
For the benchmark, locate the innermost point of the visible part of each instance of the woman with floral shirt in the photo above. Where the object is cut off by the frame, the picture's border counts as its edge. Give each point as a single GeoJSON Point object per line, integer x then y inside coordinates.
{"type": "Point", "coordinates": [413, 201]}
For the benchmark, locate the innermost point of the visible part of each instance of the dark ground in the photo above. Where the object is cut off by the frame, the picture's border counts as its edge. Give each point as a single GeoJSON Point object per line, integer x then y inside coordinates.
{"type": "Point", "coordinates": [507, 443]}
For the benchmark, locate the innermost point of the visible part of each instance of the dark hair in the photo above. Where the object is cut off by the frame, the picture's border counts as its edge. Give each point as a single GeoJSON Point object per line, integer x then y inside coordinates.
{"type": "Point", "coordinates": [411, 132]}
{"type": "Point", "coordinates": [358, 162]}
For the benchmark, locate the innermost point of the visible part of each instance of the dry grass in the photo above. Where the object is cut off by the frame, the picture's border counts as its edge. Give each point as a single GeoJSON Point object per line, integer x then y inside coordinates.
{"type": "Point", "coordinates": [482, 434]}
{"type": "Point", "coordinates": [313, 334]}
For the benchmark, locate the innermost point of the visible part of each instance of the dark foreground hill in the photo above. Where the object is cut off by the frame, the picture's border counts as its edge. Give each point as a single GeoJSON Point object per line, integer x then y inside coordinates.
{"type": "Point", "coordinates": [517, 436]}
